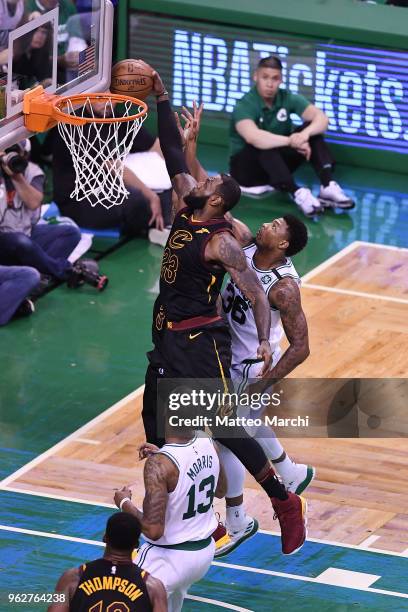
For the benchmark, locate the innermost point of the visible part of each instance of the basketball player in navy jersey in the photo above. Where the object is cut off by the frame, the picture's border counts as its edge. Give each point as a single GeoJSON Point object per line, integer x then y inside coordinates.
{"type": "Point", "coordinates": [112, 582]}
{"type": "Point", "coordinates": [190, 339]}
{"type": "Point", "coordinates": [268, 254]}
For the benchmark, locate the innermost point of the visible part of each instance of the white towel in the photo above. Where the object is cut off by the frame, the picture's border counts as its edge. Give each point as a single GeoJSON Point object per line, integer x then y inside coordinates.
{"type": "Point", "coordinates": [150, 168]}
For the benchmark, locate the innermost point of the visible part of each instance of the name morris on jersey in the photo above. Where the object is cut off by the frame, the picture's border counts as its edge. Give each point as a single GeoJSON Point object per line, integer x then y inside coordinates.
{"type": "Point", "coordinates": [202, 462]}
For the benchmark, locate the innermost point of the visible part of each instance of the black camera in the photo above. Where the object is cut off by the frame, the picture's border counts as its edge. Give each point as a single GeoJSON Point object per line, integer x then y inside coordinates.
{"type": "Point", "coordinates": [14, 159]}
{"type": "Point", "coordinates": [87, 271]}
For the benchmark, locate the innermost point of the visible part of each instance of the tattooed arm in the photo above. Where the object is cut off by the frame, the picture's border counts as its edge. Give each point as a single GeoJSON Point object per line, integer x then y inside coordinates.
{"type": "Point", "coordinates": [160, 479]}
{"type": "Point", "coordinates": [285, 296]}
{"type": "Point", "coordinates": [224, 249]}
{"type": "Point", "coordinates": [241, 231]}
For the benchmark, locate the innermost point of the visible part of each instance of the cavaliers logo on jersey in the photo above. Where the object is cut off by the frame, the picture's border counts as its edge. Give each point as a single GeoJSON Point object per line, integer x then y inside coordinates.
{"type": "Point", "coordinates": [179, 238]}
{"type": "Point", "coordinates": [160, 319]}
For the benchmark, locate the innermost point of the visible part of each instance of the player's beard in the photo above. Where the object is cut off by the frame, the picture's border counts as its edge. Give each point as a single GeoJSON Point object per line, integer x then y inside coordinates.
{"type": "Point", "coordinates": [195, 202]}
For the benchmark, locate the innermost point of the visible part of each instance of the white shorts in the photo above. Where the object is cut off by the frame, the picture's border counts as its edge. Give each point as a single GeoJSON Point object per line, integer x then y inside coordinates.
{"type": "Point", "coordinates": [243, 372]}
{"type": "Point", "coordinates": [177, 569]}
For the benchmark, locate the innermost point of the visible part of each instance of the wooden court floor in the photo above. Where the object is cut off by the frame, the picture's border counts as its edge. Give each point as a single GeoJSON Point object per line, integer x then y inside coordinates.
{"type": "Point", "coordinates": [356, 305]}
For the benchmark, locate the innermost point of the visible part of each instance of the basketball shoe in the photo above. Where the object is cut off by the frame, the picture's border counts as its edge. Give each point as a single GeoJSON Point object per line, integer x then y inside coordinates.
{"type": "Point", "coordinates": [220, 536]}
{"type": "Point", "coordinates": [333, 196]}
{"type": "Point", "coordinates": [291, 514]}
{"type": "Point", "coordinates": [306, 202]}
{"type": "Point", "coordinates": [237, 537]}
{"type": "Point", "coordinates": [300, 479]}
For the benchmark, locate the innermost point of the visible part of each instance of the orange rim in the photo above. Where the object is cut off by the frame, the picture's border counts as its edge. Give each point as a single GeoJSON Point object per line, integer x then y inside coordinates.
{"type": "Point", "coordinates": [62, 116]}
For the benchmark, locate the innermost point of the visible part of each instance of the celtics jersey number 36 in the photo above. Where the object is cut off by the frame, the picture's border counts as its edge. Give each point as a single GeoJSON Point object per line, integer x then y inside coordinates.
{"type": "Point", "coordinates": [239, 314]}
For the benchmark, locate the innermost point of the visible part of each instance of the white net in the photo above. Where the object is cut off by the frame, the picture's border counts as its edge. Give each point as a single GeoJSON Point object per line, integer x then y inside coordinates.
{"type": "Point", "coordinates": [99, 150]}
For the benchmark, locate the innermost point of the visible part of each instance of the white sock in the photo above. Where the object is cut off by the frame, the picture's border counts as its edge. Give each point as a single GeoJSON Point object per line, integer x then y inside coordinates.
{"type": "Point", "coordinates": [236, 518]}
{"type": "Point", "coordinates": [234, 471]}
{"type": "Point", "coordinates": [274, 450]}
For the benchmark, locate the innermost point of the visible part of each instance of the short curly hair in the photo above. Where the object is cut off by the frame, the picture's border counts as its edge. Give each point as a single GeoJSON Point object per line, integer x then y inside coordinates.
{"type": "Point", "coordinates": [298, 236]}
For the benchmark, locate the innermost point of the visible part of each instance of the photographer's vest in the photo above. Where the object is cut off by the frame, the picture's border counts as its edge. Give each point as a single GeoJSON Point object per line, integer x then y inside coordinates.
{"type": "Point", "coordinates": [14, 215]}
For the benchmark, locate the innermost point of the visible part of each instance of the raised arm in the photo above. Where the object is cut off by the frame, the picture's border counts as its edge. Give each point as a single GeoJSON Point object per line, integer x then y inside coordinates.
{"type": "Point", "coordinates": [286, 297]}
{"type": "Point", "coordinates": [189, 134]}
{"type": "Point", "coordinates": [170, 141]}
{"type": "Point", "coordinates": [241, 231]}
{"type": "Point", "coordinates": [224, 249]}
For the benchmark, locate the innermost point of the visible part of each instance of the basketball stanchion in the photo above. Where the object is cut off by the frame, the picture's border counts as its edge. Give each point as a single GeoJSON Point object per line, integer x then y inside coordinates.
{"type": "Point", "coordinates": [98, 130]}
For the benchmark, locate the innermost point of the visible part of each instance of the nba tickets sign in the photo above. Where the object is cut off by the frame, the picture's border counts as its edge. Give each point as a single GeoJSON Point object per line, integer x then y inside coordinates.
{"type": "Point", "coordinates": [364, 91]}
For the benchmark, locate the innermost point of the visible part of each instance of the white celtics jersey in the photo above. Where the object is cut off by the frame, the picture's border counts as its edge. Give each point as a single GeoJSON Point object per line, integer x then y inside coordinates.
{"type": "Point", "coordinates": [239, 314]}
{"type": "Point", "coordinates": [189, 513]}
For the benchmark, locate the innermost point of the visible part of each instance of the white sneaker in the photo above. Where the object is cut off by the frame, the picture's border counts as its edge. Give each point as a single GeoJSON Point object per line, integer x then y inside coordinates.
{"type": "Point", "coordinates": [333, 196]}
{"type": "Point", "coordinates": [238, 537]}
{"type": "Point", "coordinates": [301, 478]}
{"type": "Point", "coordinates": [158, 236]}
{"type": "Point", "coordinates": [307, 203]}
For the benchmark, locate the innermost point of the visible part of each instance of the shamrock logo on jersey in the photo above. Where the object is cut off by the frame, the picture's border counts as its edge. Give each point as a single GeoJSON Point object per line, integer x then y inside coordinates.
{"type": "Point", "coordinates": [266, 279]}
{"type": "Point", "coordinates": [282, 115]}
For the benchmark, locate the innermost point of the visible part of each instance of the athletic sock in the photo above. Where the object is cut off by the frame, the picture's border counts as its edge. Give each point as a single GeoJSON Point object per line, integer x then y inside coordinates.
{"type": "Point", "coordinates": [235, 517]}
{"type": "Point", "coordinates": [274, 450]}
{"type": "Point", "coordinates": [272, 486]}
{"type": "Point", "coordinates": [326, 175]}
{"type": "Point", "coordinates": [234, 472]}
{"type": "Point", "coordinates": [284, 466]}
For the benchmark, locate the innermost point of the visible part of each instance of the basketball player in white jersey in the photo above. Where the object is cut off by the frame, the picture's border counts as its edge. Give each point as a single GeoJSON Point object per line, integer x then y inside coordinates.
{"type": "Point", "coordinates": [181, 479]}
{"type": "Point", "coordinates": [268, 254]}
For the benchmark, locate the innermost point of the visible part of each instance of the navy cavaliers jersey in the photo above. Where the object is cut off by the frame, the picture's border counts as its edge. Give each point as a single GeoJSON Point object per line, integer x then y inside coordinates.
{"type": "Point", "coordinates": [104, 584]}
{"type": "Point", "coordinates": [189, 286]}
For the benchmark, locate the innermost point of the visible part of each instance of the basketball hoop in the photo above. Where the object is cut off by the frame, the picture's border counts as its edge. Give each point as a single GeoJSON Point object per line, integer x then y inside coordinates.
{"type": "Point", "coordinates": [98, 130]}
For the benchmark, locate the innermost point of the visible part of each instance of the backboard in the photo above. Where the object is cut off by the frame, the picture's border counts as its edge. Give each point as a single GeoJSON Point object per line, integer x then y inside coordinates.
{"type": "Point", "coordinates": [55, 46]}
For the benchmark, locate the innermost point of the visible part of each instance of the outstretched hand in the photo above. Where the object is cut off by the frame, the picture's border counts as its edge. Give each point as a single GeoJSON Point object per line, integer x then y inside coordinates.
{"type": "Point", "coordinates": [189, 132]}
{"type": "Point", "coordinates": [158, 85]}
{"type": "Point", "coordinates": [122, 494]}
{"type": "Point", "coordinates": [147, 449]}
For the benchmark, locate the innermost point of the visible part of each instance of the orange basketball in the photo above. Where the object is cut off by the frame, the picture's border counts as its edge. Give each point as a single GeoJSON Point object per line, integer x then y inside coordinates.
{"type": "Point", "coordinates": [130, 78]}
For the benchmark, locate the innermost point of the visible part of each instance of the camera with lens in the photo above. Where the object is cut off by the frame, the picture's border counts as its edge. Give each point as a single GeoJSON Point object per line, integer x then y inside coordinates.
{"type": "Point", "coordinates": [14, 158]}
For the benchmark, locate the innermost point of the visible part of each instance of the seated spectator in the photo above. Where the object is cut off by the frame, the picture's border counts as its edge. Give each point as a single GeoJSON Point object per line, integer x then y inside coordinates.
{"type": "Point", "coordinates": [35, 62]}
{"type": "Point", "coordinates": [11, 17]}
{"type": "Point", "coordinates": [67, 61]}
{"type": "Point", "coordinates": [266, 149]}
{"type": "Point", "coordinates": [142, 208]}
{"type": "Point", "coordinates": [16, 283]}
{"type": "Point", "coordinates": [23, 241]}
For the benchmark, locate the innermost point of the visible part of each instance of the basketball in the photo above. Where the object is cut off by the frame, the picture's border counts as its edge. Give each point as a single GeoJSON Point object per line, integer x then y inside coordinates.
{"type": "Point", "coordinates": [130, 78]}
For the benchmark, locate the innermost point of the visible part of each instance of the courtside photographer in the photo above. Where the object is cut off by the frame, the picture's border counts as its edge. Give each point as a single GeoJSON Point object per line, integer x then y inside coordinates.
{"type": "Point", "coordinates": [24, 241]}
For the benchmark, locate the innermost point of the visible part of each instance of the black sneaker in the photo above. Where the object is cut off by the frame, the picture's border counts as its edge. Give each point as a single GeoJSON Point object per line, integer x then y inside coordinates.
{"type": "Point", "coordinates": [25, 309]}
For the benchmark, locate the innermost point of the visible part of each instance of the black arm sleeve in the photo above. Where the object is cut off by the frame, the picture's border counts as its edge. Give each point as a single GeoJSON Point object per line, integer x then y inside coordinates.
{"type": "Point", "coordinates": [143, 142]}
{"type": "Point", "coordinates": [170, 141]}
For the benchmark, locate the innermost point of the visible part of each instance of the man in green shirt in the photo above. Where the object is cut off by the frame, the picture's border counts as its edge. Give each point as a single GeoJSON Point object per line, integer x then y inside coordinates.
{"type": "Point", "coordinates": [266, 149]}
